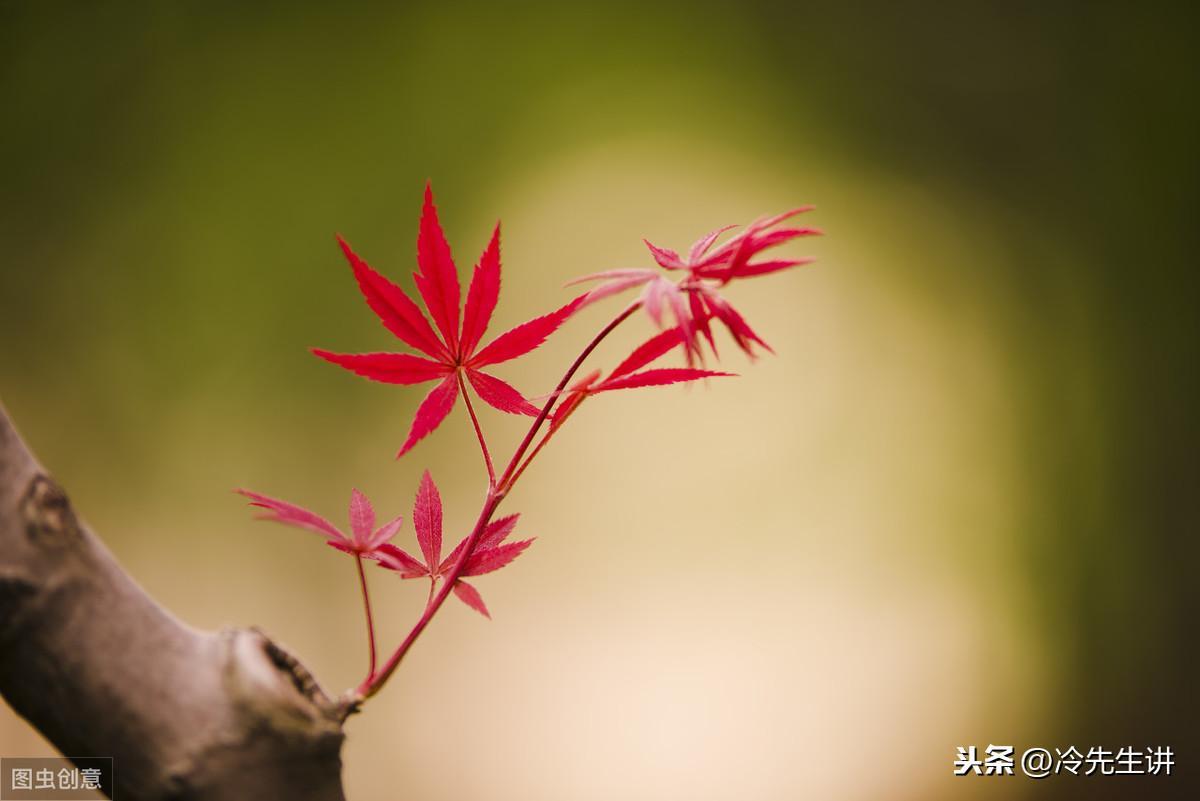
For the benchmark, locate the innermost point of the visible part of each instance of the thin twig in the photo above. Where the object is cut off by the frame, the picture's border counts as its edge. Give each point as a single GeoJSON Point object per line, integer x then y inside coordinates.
{"type": "Point", "coordinates": [366, 596]}
{"type": "Point", "coordinates": [496, 494]}
{"type": "Point", "coordinates": [506, 480]}
{"type": "Point", "coordinates": [487, 456]}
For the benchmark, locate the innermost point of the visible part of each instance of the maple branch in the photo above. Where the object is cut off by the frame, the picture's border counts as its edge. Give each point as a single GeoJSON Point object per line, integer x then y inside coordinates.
{"type": "Point", "coordinates": [496, 494]}
{"type": "Point", "coordinates": [508, 479]}
{"type": "Point", "coordinates": [100, 669]}
{"type": "Point", "coordinates": [532, 455]}
{"type": "Point", "coordinates": [366, 596]}
{"type": "Point", "coordinates": [487, 456]}
{"type": "Point", "coordinates": [369, 688]}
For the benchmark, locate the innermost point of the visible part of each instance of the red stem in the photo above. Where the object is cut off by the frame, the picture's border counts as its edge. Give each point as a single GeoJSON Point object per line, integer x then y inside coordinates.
{"type": "Point", "coordinates": [372, 685]}
{"type": "Point", "coordinates": [532, 455]}
{"type": "Point", "coordinates": [507, 480]}
{"type": "Point", "coordinates": [366, 596]}
{"type": "Point", "coordinates": [495, 495]}
{"type": "Point", "coordinates": [487, 456]}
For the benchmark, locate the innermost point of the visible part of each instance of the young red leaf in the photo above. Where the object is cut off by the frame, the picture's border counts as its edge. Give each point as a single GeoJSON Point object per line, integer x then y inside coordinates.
{"type": "Point", "coordinates": [432, 411]}
{"type": "Point", "coordinates": [389, 368]}
{"type": "Point", "coordinates": [482, 295]}
{"type": "Point", "coordinates": [344, 546]}
{"type": "Point", "coordinates": [614, 282]}
{"type": "Point", "coordinates": [386, 532]}
{"type": "Point", "coordinates": [394, 308]}
{"type": "Point", "coordinates": [525, 337]}
{"type": "Point", "coordinates": [471, 597]}
{"type": "Point", "coordinates": [493, 534]}
{"type": "Point", "coordinates": [665, 257]}
{"type": "Point", "coordinates": [362, 542]}
{"type": "Point", "coordinates": [648, 351]}
{"type": "Point", "coordinates": [779, 236]}
{"type": "Point", "coordinates": [700, 318]}
{"type": "Point", "coordinates": [492, 559]}
{"type": "Point", "coordinates": [289, 514]}
{"type": "Point", "coordinates": [625, 377]}
{"type": "Point", "coordinates": [738, 328]}
{"type": "Point", "coordinates": [768, 267]}
{"type": "Point", "coordinates": [427, 520]}
{"type": "Point", "coordinates": [654, 378]}
{"type": "Point", "coordinates": [683, 317]}
{"type": "Point", "coordinates": [705, 242]}
{"type": "Point", "coordinates": [730, 260]}
{"type": "Point", "coordinates": [498, 530]}
{"type": "Point", "coordinates": [362, 518]}
{"type": "Point", "coordinates": [500, 395]}
{"type": "Point", "coordinates": [437, 280]}
{"type": "Point", "coordinates": [653, 296]}
{"type": "Point", "coordinates": [395, 558]}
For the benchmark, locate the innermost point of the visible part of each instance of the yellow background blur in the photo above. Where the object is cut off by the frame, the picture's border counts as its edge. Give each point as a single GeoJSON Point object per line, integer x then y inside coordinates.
{"type": "Point", "coordinates": [951, 511]}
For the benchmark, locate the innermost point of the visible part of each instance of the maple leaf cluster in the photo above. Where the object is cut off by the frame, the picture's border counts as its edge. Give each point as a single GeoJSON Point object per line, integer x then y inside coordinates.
{"type": "Point", "coordinates": [445, 336]}
{"type": "Point", "coordinates": [490, 553]}
{"type": "Point", "coordinates": [452, 352]}
{"type": "Point", "coordinates": [694, 299]}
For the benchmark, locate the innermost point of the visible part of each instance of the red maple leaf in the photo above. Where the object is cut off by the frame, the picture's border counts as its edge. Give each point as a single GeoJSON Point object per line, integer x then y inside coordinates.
{"type": "Point", "coordinates": [693, 299]}
{"type": "Point", "coordinates": [454, 356]}
{"type": "Point", "coordinates": [490, 554]}
{"type": "Point", "coordinates": [364, 539]}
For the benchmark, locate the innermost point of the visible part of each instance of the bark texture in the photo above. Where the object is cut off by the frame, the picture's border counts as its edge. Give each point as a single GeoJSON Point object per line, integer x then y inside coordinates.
{"type": "Point", "coordinates": [100, 669]}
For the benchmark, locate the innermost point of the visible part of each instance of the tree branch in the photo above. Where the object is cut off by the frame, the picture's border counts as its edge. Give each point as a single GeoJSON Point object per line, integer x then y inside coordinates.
{"type": "Point", "coordinates": [100, 669]}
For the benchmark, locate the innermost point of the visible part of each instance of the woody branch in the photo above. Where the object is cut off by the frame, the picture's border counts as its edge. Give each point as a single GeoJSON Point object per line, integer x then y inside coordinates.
{"type": "Point", "coordinates": [100, 669]}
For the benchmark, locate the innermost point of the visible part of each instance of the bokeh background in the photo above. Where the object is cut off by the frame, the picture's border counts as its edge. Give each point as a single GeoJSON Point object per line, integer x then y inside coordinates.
{"type": "Point", "coordinates": [957, 508]}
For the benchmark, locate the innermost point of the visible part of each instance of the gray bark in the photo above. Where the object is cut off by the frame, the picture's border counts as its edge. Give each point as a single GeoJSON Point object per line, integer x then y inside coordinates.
{"type": "Point", "coordinates": [100, 669]}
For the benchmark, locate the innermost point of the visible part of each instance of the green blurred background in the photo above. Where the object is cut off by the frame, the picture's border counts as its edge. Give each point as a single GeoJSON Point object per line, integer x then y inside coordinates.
{"type": "Point", "coordinates": [956, 509]}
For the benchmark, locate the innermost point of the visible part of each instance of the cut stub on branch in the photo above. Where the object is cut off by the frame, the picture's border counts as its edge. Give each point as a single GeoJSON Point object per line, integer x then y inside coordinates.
{"type": "Point", "coordinates": [101, 670]}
